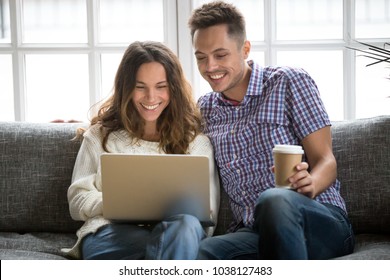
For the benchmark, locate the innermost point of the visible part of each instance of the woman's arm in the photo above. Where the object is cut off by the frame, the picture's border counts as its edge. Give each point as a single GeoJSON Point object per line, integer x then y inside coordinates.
{"type": "Point", "coordinates": [84, 193]}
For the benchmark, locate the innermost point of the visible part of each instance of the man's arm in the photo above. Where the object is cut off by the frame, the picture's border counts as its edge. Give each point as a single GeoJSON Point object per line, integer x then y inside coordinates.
{"type": "Point", "coordinates": [320, 171]}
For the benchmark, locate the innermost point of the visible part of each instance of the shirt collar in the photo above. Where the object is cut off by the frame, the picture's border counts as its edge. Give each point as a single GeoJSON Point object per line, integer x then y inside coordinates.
{"type": "Point", "coordinates": [254, 86]}
{"type": "Point", "coordinates": [256, 79]}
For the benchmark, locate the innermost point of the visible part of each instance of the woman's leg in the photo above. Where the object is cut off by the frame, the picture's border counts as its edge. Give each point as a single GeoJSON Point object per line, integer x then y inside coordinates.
{"type": "Point", "coordinates": [293, 226]}
{"type": "Point", "coordinates": [116, 242]}
{"type": "Point", "coordinates": [175, 238]}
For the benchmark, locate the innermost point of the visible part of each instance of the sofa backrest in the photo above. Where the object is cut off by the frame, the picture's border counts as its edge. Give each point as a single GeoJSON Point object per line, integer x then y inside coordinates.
{"type": "Point", "coordinates": [362, 151]}
{"type": "Point", "coordinates": [36, 165]}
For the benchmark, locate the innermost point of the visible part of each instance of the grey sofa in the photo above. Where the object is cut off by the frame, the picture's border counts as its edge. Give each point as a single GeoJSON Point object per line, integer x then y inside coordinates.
{"type": "Point", "coordinates": [36, 163]}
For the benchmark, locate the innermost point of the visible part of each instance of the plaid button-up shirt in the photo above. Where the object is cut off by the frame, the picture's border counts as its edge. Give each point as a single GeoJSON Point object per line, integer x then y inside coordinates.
{"type": "Point", "coordinates": [281, 106]}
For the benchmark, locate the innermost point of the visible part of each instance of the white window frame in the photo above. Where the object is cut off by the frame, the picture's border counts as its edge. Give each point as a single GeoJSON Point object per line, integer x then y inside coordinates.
{"type": "Point", "coordinates": [177, 37]}
{"type": "Point", "coordinates": [93, 49]}
{"type": "Point", "coordinates": [271, 46]}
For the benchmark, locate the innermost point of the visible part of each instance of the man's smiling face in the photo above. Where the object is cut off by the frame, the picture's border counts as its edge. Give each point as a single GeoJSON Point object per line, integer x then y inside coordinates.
{"type": "Point", "coordinates": [220, 59]}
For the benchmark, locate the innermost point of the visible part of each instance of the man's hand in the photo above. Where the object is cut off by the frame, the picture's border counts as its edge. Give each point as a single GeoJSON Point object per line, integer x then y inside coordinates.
{"type": "Point", "coordinates": [302, 181]}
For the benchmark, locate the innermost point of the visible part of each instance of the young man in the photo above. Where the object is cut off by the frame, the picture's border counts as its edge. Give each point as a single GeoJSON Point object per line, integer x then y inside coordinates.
{"type": "Point", "coordinates": [250, 110]}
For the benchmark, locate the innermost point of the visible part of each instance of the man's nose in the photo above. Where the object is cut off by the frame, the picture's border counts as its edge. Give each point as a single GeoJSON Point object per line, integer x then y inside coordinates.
{"type": "Point", "coordinates": [211, 65]}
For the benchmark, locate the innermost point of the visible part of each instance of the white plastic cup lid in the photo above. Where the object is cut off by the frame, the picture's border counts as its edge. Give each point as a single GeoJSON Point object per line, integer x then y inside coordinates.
{"type": "Point", "coordinates": [288, 149]}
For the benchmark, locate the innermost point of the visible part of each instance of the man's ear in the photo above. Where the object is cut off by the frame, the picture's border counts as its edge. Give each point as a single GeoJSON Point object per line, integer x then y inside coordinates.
{"type": "Point", "coordinates": [246, 48]}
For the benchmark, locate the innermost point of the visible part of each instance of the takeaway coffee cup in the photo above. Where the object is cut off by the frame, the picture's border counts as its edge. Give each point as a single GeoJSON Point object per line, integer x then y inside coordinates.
{"type": "Point", "coordinates": [286, 158]}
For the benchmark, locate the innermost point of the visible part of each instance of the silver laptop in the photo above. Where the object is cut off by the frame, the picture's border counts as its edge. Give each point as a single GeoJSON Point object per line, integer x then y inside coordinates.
{"type": "Point", "coordinates": [143, 188]}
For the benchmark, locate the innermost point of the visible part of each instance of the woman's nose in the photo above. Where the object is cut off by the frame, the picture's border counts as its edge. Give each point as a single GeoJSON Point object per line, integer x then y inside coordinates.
{"type": "Point", "coordinates": [150, 94]}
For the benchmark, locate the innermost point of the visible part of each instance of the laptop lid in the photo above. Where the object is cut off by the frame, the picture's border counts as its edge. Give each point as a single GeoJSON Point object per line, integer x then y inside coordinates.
{"type": "Point", "coordinates": [142, 188]}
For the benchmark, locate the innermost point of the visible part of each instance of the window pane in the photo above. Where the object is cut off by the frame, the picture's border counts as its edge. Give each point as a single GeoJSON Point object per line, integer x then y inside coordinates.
{"type": "Point", "coordinates": [253, 12]}
{"type": "Point", "coordinates": [110, 64]}
{"type": "Point", "coordinates": [326, 68]}
{"type": "Point", "coordinates": [257, 56]}
{"type": "Point", "coordinates": [372, 88]}
{"type": "Point", "coordinates": [372, 18]}
{"type": "Point", "coordinates": [308, 20]}
{"type": "Point", "coordinates": [5, 33]}
{"type": "Point", "coordinates": [57, 87]}
{"type": "Point", "coordinates": [204, 87]}
{"type": "Point", "coordinates": [6, 88]}
{"type": "Point", "coordinates": [124, 21]}
{"type": "Point", "coordinates": [54, 21]}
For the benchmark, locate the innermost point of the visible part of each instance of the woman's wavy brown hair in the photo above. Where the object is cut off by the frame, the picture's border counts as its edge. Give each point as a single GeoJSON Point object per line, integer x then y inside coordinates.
{"type": "Point", "coordinates": [178, 124]}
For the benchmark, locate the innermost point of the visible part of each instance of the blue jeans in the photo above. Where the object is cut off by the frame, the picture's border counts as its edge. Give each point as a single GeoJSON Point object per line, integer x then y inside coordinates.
{"type": "Point", "coordinates": [287, 226]}
{"type": "Point", "coordinates": [175, 238]}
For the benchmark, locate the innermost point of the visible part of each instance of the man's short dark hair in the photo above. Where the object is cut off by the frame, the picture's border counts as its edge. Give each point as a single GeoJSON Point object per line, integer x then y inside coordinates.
{"type": "Point", "coordinates": [215, 13]}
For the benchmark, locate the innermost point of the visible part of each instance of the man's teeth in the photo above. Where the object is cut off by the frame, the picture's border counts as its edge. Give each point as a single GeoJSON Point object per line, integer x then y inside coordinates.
{"type": "Point", "coordinates": [215, 77]}
{"type": "Point", "coordinates": [150, 107]}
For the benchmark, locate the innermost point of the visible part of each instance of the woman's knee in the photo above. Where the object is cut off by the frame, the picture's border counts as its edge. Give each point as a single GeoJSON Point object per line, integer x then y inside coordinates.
{"type": "Point", "coordinates": [188, 221]}
{"type": "Point", "coordinates": [186, 224]}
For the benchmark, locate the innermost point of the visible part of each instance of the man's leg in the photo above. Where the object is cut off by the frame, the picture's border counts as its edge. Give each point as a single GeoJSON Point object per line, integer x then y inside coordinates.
{"type": "Point", "coordinates": [241, 244]}
{"type": "Point", "coordinates": [293, 226]}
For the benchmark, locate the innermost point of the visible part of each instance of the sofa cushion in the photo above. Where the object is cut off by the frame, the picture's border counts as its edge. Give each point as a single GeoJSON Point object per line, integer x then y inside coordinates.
{"type": "Point", "coordinates": [370, 247]}
{"type": "Point", "coordinates": [38, 245]}
{"type": "Point", "coordinates": [9, 254]}
{"type": "Point", "coordinates": [36, 169]}
{"type": "Point", "coordinates": [362, 151]}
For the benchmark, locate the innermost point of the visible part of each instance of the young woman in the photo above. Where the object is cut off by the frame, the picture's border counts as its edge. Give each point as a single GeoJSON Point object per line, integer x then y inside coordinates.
{"type": "Point", "coordinates": [151, 111]}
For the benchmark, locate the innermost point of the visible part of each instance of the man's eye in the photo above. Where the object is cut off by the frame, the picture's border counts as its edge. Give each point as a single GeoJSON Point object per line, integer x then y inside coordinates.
{"type": "Point", "coordinates": [200, 58]}
{"type": "Point", "coordinates": [220, 56]}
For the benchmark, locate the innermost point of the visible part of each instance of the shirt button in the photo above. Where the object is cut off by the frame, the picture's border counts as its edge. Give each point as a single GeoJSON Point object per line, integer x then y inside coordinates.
{"type": "Point", "coordinates": [235, 156]}
{"type": "Point", "coordinates": [238, 170]}
{"type": "Point", "coordinates": [243, 192]}
{"type": "Point", "coordinates": [232, 131]}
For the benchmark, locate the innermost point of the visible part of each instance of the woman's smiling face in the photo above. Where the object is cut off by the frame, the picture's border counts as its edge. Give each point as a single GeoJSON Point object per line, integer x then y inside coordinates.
{"type": "Point", "coordinates": [151, 92]}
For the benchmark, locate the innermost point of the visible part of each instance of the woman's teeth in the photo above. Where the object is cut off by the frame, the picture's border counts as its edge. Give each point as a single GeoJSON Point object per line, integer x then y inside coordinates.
{"type": "Point", "coordinates": [150, 107]}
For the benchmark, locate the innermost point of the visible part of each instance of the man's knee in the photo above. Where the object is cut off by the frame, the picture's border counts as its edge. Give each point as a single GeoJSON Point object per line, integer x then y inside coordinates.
{"type": "Point", "coordinates": [275, 205]}
{"type": "Point", "coordinates": [206, 249]}
{"type": "Point", "coordinates": [276, 197]}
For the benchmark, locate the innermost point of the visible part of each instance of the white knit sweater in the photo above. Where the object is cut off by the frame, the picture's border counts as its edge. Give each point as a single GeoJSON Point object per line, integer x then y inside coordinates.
{"type": "Point", "coordinates": [84, 193]}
